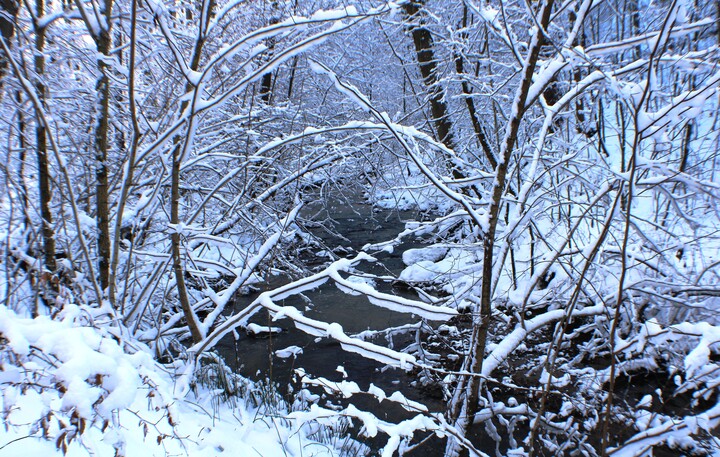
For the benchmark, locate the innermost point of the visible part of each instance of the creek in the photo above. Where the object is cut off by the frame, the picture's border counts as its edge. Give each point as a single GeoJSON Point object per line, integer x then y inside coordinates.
{"type": "Point", "coordinates": [354, 224]}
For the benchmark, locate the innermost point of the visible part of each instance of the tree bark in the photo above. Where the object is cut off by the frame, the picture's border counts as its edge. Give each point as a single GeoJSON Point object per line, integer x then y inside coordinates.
{"type": "Point", "coordinates": [130, 161]}
{"type": "Point", "coordinates": [103, 42]}
{"type": "Point", "coordinates": [178, 156]}
{"type": "Point", "coordinates": [101, 33]}
{"type": "Point", "coordinates": [467, 401]}
{"type": "Point", "coordinates": [41, 147]}
{"type": "Point", "coordinates": [423, 40]}
{"type": "Point", "coordinates": [8, 9]}
{"type": "Point", "coordinates": [266, 83]}
{"type": "Point", "coordinates": [266, 88]}
{"type": "Point", "coordinates": [470, 104]}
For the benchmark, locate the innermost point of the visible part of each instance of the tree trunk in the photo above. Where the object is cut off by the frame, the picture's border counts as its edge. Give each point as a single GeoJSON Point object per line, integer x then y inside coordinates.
{"type": "Point", "coordinates": [466, 401]}
{"type": "Point", "coordinates": [266, 87]}
{"type": "Point", "coordinates": [8, 9]}
{"type": "Point", "coordinates": [176, 252]}
{"type": "Point", "coordinates": [580, 119]}
{"type": "Point", "coordinates": [45, 193]}
{"type": "Point", "coordinates": [266, 83]}
{"type": "Point", "coordinates": [423, 41]}
{"type": "Point", "coordinates": [101, 33]}
{"type": "Point", "coordinates": [470, 104]}
{"type": "Point", "coordinates": [102, 88]}
{"type": "Point", "coordinates": [130, 160]}
{"type": "Point", "coordinates": [178, 156]}
{"type": "Point", "coordinates": [291, 80]}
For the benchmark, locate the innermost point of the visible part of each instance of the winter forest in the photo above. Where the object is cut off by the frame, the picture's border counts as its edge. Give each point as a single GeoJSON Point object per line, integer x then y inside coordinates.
{"type": "Point", "coordinates": [349, 228]}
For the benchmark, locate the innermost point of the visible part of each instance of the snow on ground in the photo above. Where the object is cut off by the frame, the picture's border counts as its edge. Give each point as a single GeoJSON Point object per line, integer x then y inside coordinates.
{"type": "Point", "coordinates": [74, 388]}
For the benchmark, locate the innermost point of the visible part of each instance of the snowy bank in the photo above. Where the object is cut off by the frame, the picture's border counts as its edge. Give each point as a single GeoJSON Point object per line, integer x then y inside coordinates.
{"type": "Point", "coordinates": [68, 387]}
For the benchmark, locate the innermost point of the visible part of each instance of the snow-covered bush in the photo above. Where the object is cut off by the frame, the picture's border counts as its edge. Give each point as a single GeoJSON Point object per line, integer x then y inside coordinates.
{"type": "Point", "coordinates": [76, 385]}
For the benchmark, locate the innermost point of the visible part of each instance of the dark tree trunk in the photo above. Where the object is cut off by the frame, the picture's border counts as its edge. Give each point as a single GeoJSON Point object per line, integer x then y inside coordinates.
{"type": "Point", "coordinates": [266, 83]}
{"type": "Point", "coordinates": [266, 88]}
{"type": "Point", "coordinates": [102, 89]}
{"type": "Point", "coordinates": [8, 10]}
{"type": "Point", "coordinates": [466, 404]}
{"type": "Point", "coordinates": [45, 193]}
{"type": "Point", "coordinates": [291, 80]}
{"type": "Point", "coordinates": [717, 20]}
{"type": "Point", "coordinates": [101, 32]}
{"type": "Point", "coordinates": [423, 40]}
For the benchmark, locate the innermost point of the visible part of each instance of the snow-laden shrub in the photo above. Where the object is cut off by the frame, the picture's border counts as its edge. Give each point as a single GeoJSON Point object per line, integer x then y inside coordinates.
{"type": "Point", "coordinates": [75, 385]}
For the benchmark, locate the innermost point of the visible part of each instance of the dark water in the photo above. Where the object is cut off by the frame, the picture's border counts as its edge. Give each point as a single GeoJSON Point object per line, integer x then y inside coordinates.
{"type": "Point", "coordinates": [357, 224]}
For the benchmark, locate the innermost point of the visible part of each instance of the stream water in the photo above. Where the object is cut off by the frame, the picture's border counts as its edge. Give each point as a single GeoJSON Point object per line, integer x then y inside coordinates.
{"type": "Point", "coordinates": [357, 224]}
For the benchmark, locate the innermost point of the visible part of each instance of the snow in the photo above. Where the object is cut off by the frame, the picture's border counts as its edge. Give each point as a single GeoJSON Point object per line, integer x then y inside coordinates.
{"type": "Point", "coordinates": [647, 39]}
{"type": "Point", "coordinates": [352, 93]}
{"type": "Point", "coordinates": [332, 15]}
{"type": "Point", "coordinates": [254, 329]}
{"type": "Point", "coordinates": [422, 271]}
{"type": "Point", "coordinates": [83, 377]}
{"type": "Point", "coordinates": [672, 431]}
{"type": "Point", "coordinates": [290, 351]}
{"type": "Point", "coordinates": [699, 357]}
{"type": "Point", "coordinates": [431, 254]}
{"type": "Point", "coordinates": [688, 105]}
{"type": "Point", "coordinates": [372, 425]}
{"type": "Point", "coordinates": [565, 214]}
{"type": "Point", "coordinates": [517, 337]}
{"type": "Point", "coordinates": [393, 302]}
{"type": "Point", "coordinates": [87, 223]}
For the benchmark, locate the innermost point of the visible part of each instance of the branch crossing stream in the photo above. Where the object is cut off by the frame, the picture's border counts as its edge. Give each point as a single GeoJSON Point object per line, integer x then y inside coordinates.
{"type": "Point", "coordinates": [261, 357]}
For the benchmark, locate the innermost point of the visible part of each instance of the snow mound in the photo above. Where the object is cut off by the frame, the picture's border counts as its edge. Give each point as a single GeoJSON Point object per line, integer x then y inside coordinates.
{"type": "Point", "coordinates": [69, 388]}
